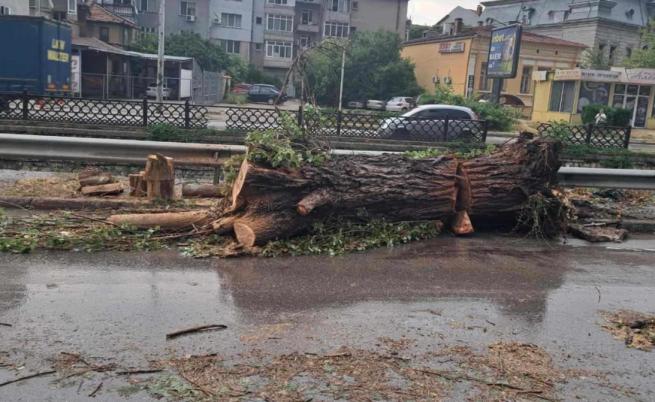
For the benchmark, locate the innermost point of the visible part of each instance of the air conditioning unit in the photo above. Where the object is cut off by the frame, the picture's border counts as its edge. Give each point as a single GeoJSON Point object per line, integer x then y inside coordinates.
{"type": "Point", "coordinates": [191, 18]}
{"type": "Point", "coordinates": [217, 21]}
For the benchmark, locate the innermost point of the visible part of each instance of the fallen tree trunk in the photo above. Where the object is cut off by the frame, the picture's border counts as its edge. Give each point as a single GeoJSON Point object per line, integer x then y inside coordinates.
{"type": "Point", "coordinates": [104, 189]}
{"type": "Point", "coordinates": [270, 203]}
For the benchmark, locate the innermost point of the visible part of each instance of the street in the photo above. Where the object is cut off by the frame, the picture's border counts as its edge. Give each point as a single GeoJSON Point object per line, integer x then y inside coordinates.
{"type": "Point", "coordinates": [439, 295]}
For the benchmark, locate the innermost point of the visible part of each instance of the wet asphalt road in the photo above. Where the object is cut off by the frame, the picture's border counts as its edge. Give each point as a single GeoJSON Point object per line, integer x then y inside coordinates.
{"type": "Point", "coordinates": [439, 293]}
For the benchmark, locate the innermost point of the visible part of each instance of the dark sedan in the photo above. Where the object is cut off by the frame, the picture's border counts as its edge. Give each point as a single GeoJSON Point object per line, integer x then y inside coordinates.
{"type": "Point", "coordinates": [265, 93]}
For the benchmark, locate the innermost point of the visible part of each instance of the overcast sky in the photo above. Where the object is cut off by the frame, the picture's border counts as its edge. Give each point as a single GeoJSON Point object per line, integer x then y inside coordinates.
{"type": "Point", "coordinates": [428, 12]}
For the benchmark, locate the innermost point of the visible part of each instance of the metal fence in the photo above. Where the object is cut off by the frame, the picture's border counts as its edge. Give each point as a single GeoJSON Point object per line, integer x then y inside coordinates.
{"type": "Point", "coordinates": [105, 112]}
{"type": "Point", "coordinates": [590, 134]}
{"type": "Point", "coordinates": [360, 125]}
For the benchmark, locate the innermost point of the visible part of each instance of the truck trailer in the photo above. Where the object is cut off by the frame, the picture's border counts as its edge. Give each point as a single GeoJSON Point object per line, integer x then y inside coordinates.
{"type": "Point", "coordinates": [35, 54]}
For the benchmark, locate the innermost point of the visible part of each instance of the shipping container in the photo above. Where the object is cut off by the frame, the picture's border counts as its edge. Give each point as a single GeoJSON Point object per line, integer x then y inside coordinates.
{"type": "Point", "coordinates": [35, 54]}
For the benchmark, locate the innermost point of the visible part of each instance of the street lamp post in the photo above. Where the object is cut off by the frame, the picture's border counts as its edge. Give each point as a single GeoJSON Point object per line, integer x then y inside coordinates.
{"type": "Point", "coordinates": [160, 50]}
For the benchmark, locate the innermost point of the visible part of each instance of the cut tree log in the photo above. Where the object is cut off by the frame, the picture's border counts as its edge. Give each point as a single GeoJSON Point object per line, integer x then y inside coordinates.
{"type": "Point", "coordinates": [104, 189]}
{"type": "Point", "coordinates": [97, 180]}
{"type": "Point", "coordinates": [138, 185]}
{"type": "Point", "coordinates": [201, 190]}
{"type": "Point", "coordinates": [270, 203]}
{"type": "Point", "coordinates": [166, 221]}
{"type": "Point", "coordinates": [598, 234]}
{"type": "Point", "coordinates": [160, 177]}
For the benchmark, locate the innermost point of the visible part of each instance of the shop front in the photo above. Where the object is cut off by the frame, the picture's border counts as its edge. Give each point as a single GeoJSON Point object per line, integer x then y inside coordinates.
{"type": "Point", "coordinates": [562, 95]}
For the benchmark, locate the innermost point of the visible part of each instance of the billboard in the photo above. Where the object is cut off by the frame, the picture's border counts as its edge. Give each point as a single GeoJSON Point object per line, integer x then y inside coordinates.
{"type": "Point", "coordinates": [504, 51]}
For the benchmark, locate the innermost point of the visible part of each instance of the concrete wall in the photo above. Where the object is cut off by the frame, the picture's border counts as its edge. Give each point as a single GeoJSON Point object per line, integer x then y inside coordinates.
{"type": "Point", "coordinates": [375, 15]}
{"type": "Point", "coordinates": [18, 7]}
{"type": "Point", "coordinates": [243, 35]}
{"type": "Point", "coordinates": [175, 22]}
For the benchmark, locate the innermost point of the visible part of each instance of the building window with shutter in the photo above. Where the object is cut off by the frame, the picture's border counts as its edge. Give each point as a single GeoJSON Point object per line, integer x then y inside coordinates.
{"type": "Point", "coordinates": [526, 80]}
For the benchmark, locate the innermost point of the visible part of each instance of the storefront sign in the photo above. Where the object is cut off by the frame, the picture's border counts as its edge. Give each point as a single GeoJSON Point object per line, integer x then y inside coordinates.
{"type": "Point", "coordinates": [76, 74]}
{"type": "Point", "coordinates": [504, 51]}
{"type": "Point", "coordinates": [587, 75]}
{"type": "Point", "coordinates": [643, 76]}
{"type": "Point", "coordinates": [451, 47]}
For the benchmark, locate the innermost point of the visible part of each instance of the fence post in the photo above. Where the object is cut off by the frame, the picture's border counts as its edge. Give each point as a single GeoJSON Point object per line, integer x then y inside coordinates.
{"type": "Point", "coordinates": [485, 131]}
{"type": "Point", "coordinates": [446, 123]}
{"type": "Point", "coordinates": [26, 105]}
{"type": "Point", "coordinates": [145, 112]}
{"type": "Point", "coordinates": [589, 133]}
{"type": "Point", "coordinates": [187, 114]}
{"type": "Point", "coordinates": [626, 139]}
{"type": "Point", "coordinates": [338, 123]}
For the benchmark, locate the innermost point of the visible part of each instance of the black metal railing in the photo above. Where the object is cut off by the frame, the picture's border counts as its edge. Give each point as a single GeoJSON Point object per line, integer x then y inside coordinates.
{"type": "Point", "coordinates": [359, 125]}
{"type": "Point", "coordinates": [593, 135]}
{"type": "Point", "coordinates": [104, 112]}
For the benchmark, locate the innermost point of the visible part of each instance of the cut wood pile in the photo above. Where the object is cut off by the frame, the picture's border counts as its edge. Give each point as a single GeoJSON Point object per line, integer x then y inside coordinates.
{"type": "Point", "coordinates": [94, 182]}
{"type": "Point", "coordinates": [269, 203]}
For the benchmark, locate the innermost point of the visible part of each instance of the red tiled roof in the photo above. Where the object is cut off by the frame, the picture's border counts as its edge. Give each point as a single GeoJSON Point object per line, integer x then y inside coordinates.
{"type": "Point", "coordinates": [97, 13]}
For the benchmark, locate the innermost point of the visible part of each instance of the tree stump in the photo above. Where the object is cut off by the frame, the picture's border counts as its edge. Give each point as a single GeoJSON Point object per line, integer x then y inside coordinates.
{"type": "Point", "coordinates": [160, 177]}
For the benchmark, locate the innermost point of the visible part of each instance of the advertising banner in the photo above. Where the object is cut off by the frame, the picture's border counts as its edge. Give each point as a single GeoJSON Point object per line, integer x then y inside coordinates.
{"type": "Point", "coordinates": [504, 51]}
{"type": "Point", "coordinates": [76, 74]}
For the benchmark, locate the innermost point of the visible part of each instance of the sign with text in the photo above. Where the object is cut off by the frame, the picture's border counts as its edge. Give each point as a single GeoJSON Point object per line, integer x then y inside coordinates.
{"type": "Point", "coordinates": [451, 47]}
{"type": "Point", "coordinates": [504, 51]}
{"type": "Point", "coordinates": [587, 75]}
{"type": "Point", "coordinates": [76, 74]}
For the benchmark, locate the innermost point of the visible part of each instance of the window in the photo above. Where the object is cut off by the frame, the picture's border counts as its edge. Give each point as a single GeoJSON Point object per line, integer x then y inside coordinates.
{"type": "Point", "coordinates": [258, 20]}
{"type": "Point", "coordinates": [231, 46]}
{"type": "Point", "coordinates": [4, 10]}
{"type": "Point", "coordinates": [32, 4]}
{"type": "Point", "coordinates": [231, 20]}
{"type": "Point", "coordinates": [526, 80]}
{"type": "Point", "coordinates": [628, 52]}
{"type": "Point", "coordinates": [143, 5]}
{"type": "Point", "coordinates": [355, 6]}
{"type": "Point", "coordinates": [72, 7]}
{"type": "Point", "coordinates": [279, 49]}
{"type": "Point", "coordinates": [484, 82]}
{"type": "Point", "coordinates": [612, 54]}
{"type": "Point", "coordinates": [104, 34]}
{"type": "Point", "coordinates": [336, 29]}
{"type": "Point", "coordinates": [306, 17]}
{"type": "Point", "coordinates": [305, 41]}
{"type": "Point", "coordinates": [278, 2]}
{"type": "Point", "coordinates": [561, 96]}
{"type": "Point", "coordinates": [279, 23]}
{"type": "Point", "coordinates": [188, 8]}
{"type": "Point", "coordinates": [258, 47]}
{"type": "Point", "coordinates": [342, 6]}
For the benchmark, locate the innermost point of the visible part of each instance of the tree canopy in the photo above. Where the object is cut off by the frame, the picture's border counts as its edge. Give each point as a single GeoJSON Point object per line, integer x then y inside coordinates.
{"type": "Point", "coordinates": [644, 57]}
{"type": "Point", "coordinates": [374, 70]}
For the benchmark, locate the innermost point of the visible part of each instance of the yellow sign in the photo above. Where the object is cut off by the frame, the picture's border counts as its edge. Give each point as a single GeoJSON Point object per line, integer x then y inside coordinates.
{"type": "Point", "coordinates": [54, 55]}
{"type": "Point", "coordinates": [58, 44]}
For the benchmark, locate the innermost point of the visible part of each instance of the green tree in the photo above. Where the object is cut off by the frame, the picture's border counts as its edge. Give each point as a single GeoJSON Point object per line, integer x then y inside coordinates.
{"type": "Point", "coordinates": [416, 31]}
{"type": "Point", "coordinates": [644, 57]}
{"type": "Point", "coordinates": [374, 70]}
{"type": "Point", "coordinates": [595, 59]}
{"type": "Point", "coordinates": [209, 55]}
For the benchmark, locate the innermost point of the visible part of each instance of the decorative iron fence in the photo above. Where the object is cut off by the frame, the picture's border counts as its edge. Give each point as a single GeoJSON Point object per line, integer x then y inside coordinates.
{"type": "Point", "coordinates": [590, 134]}
{"type": "Point", "coordinates": [360, 125]}
{"type": "Point", "coordinates": [105, 112]}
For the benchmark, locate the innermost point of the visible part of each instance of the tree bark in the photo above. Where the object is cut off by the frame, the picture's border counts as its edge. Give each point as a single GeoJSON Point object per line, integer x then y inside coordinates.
{"type": "Point", "coordinates": [160, 177]}
{"type": "Point", "coordinates": [104, 189]}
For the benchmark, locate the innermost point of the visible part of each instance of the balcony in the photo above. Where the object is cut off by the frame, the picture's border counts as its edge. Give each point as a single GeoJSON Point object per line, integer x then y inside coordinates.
{"type": "Point", "coordinates": [125, 11]}
{"type": "Point", "coordinates": [276, 62]}
{"type": "Point", "coordinates": [315, 28]}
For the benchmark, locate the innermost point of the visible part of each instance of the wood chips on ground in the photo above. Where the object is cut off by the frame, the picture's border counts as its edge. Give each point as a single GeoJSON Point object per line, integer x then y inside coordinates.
{"type": "Point", "coordinates": [636, 330]}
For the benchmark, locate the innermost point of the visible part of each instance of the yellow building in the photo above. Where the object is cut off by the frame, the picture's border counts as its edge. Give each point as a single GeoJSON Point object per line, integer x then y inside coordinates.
{"type": "Point", "coordinates": [460, 61]}
{"type": "Point", "coordinates": [562, 95]}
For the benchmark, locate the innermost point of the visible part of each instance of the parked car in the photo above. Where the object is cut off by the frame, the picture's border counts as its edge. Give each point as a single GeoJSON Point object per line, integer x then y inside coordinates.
{"type": "Point", "coordinates": [375, 104]}
{"type": "Point", "coordinates": [151, 91]}
{"type": "Point", "coordinates": [400, 104]}
{"type": "Point", "coordinates": [429, 121]}
{"type": "Point", "coordinates": [266, 93]}
{"type": "Point", "coordinates": [241, 89]}
{"type": "Point", "coordinates": [356, 104]}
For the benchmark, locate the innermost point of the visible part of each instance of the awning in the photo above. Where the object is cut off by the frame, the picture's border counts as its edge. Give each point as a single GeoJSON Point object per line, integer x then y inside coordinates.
{"type": "Point", "coordinates": [100, 46]}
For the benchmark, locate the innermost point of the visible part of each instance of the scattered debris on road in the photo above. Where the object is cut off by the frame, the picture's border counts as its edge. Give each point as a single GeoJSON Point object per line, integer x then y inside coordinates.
{"type": "Point", "coordinates": [27, 377]}
{"type": "Point", "coordinates": [195, 330]}
{"type": "Point", "coordinates": [636, 329]}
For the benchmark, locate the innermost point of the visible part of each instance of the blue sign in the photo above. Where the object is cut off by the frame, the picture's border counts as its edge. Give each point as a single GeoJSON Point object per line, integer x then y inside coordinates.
{"type": "Point", "coordinates": [504, 51]}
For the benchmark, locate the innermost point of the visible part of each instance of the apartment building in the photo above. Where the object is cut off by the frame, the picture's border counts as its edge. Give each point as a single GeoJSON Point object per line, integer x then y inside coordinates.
{"type": "Point", "coordinates": [269, 33]}
{"type": "Point", "coordinates": [14, 7]}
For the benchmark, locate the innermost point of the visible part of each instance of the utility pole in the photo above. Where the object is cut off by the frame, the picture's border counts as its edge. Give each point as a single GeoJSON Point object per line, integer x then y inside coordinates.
{"type": "Point", "coordinates": [343, 67]}
{"type": "Point", "coordinates": [160, 50]}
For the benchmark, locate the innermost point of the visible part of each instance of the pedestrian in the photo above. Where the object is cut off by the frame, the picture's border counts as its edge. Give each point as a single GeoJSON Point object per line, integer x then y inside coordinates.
{"type": "Point", "coordinates": [601, 117]}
